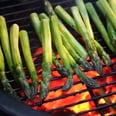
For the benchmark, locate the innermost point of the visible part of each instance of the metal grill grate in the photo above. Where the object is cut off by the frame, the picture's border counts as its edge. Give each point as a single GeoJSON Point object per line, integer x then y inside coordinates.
{"type": "Point", "coordinates": [18, 12]}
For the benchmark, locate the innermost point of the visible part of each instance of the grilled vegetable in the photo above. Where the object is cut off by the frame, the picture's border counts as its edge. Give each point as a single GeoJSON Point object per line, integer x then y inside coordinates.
{"type": "Point", "coordinates": [4, 38]}
{"type": "Point", "coordinates": [14, 40]}
{"type": "Point", "coordinates": [113, 5]}
{"type": "Point", "coordinates": [99, 25]}
{"type": "Point", "coordinates": [24, 39]}
{"type": "Point", "coordinates": [3, 79]}
{"type": "Point", "coordinates": [47, 57]}
{"type": "Point", "coordinates": [36, 24]}
{"type": "Point", "coordinates": [72, 45]}
{"type": "Point", "coordinates": [69, 41]}
{"type": "Point", "coordinates": [88, 81]}
{"type": "Point", "coordinates": [111, 32]}
{"type": "Point", "coordinates": [63, 14]}
{"type": "Point", "coordinates": [84, 63]}
{"type": "Point", "coordinates": [107, 11]}
{"type": "Point", "coordinates": [61, 50]}
{"type": "Point", "coordinates": [89, 44]}
{"type": "Point", "coordinates": [84, 14]}
{"type": "Point", "coordinates": [59, 45]}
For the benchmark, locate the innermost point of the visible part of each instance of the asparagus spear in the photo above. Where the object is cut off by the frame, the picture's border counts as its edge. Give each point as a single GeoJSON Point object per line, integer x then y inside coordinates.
{"type": "Point", "coordinates": [3, 79]}
{"type": "Point", "coordinates": [85, 64]}
{"type": "Point", "coordinates": [113, 5]}
{"type": "Point", "coordinates": [24, 39]}
{"type": "Point", "coordinates": [88, 81]}
{"type": "Point", "coordinates": [84, 13]}
{"type": "Point", "coordinates": [36, 24]}
{"type": "Point", "coordinates": [107, 11]}
{"type": "Point", "coordinates": [4, 38]}
{"type": "Point", "coordinates": [111, 32]}
{"type": "Point", "coordinates": [84, 32]}
{"type": "Point", "coordinates": [47, 57]}
{"type": "Point", "coordinates": [99, 25]}
{"type": "Point", "coordinates": [61, 50]}
{"type": "Point", "coordinates": [14, 37]}
{"type": "Point", "coordinates": [76, 45]}
{"type": "Point", "coordinates": [72, 45]}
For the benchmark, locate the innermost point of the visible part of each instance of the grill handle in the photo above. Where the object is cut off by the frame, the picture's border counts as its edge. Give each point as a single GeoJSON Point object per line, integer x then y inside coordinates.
{"type": "Point", "coordinates": [13, 107]}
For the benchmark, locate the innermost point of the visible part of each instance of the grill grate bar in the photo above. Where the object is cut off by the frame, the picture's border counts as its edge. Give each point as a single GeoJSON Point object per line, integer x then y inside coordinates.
{"type": "Point", "coordinates": [95, 101]}
{"type": "Point", "coordinates": [93, 109]}
{"type": "Point", "coordinates": [19, 4]}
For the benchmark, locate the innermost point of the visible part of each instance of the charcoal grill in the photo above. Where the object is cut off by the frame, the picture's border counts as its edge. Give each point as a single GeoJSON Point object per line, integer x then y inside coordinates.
{"type": "Point", "coordinates": [18, 12]}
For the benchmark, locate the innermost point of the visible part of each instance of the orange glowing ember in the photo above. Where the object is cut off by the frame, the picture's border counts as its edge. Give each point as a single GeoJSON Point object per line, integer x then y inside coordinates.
{"type": "Point", "coordinates": [78, 98]}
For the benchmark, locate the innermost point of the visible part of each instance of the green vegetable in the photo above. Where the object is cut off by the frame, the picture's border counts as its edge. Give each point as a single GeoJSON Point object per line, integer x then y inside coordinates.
{"type": "Point", "coordinates": [84, 13]}
{"type": "Point", "coordinates": [61, 12]}
{"type": "Point", "coordinates": [4, 38]}
{"type": "Point", "coordinates": [70, 42]}
{"type": "Point", "coordinates": [112, 33]}
{"type": "Point", "coordinates": [67, 57]}
{"type": "Point", "coordinates": [99, 25]}
{"type": "Point", "coordinates": [107, 11]}
{"type": "Point", "coordinates": [24, 39]}
{"type": "Point", "coordinates": [89, 44]}
{"type": "Point", "coordinates": [36, 24]}
{"type": "Point", "coordinates": [14, 40]}
{"type": "Point", "coordinates": [3, 79]}
{"type": "Point", "coordinates": [113, 5]}
{"type": "Point", "coordinates": [47, 57]}
{"type": "Point", "coordinates": [84, 63]}
{"type": "Point", "coordinates": [61, 50]}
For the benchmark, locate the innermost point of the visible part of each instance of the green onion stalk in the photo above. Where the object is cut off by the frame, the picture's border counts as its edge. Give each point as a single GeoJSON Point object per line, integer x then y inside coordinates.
{"type": "Point", "coordinates": [47, 57]}
{"type": "Point", "coordinates": [3, 78]}
{"type": "Point", "coordinates": [100, 26]}
{"type": "Point", "coordinates": [24, 39]}
{"type": "Point", "coordinates": [83, 11]}
{"type": "Point", "coordinates": [57, 37]}
{"type": "Point", "coordinates": [14, 43]}
{"type": "Point", "coordinates": [36, 25]}
{"type": "Point", "coordinates": [89, 44]}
